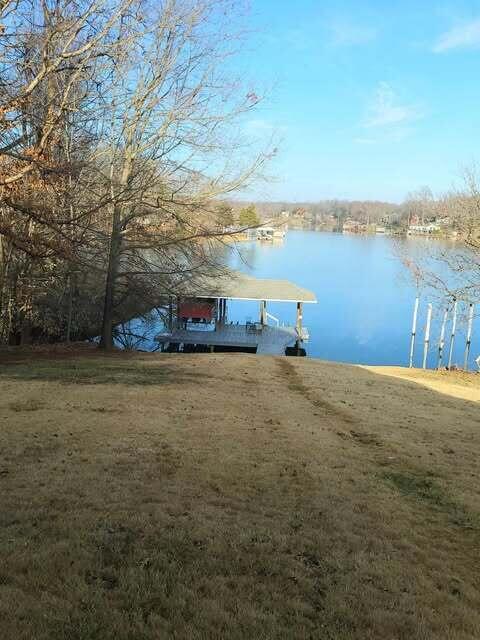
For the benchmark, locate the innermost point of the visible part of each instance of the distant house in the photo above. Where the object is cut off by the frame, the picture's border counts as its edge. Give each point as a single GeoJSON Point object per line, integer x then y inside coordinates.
{"type": "Point", "coordinates": [350, 226]}
{"type": "Point", "coordinates": [423, 229]}
{"type": "Point", "coordinates": [354, 226]}
{"type": "Point", "coordinates": [299, 212]}
{"type": "Point", "coordinates": [444, 221]}
{"type": "Point", "coordinates": [391, 219]}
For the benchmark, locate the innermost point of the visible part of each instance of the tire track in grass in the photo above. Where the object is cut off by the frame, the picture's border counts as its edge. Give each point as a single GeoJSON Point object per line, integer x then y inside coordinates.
{"type": "Point", "coordinates": [295, 383]}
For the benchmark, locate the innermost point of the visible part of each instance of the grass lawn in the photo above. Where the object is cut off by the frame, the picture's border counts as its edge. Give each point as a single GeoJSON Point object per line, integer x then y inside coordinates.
{"type": "Point", "coordinates": [232, 496]}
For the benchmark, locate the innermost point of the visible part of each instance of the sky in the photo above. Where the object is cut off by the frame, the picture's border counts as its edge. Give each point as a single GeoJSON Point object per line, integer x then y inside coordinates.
{"type": "Point", "coordinates": [370, 99]}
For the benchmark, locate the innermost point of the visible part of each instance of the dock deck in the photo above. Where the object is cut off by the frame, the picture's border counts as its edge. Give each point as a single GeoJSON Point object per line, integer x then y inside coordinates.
{"type": "Point", "coordinates": [267, 340]}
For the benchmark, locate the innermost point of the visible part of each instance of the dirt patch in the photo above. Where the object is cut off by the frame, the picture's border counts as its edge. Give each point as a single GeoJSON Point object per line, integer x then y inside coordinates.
{"type": "Point", "coordinates": [30, 404]}
{"type": "Point", "coordinates": [368, 439]}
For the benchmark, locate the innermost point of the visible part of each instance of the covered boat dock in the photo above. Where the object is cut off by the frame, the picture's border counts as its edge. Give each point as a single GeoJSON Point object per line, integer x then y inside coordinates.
{"type": "Point", "coordinates": [198, 317]}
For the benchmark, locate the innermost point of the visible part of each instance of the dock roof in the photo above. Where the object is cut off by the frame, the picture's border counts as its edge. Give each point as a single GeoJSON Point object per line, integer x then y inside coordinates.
{"type": "Point", "coordinates": [235, 285]}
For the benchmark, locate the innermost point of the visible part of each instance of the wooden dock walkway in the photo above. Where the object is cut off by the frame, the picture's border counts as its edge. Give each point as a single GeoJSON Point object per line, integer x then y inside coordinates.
{"type": "Point", "coordinates": [267, 340]}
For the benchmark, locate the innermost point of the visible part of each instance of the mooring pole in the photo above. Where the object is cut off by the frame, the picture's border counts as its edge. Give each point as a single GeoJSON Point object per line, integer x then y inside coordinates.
{"type": "Point", "coordinates": [452, 337]}
{"type": "Point", "coordinates": [427, 336]}
{"type": "Point", "coordinates": [469, 336]}
{"type": "Point", "coordinates": [414, 331]}
{"type": "Point", "coordinates": [441, 343]}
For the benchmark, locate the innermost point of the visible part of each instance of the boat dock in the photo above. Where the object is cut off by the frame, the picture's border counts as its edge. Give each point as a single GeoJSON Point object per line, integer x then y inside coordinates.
{"type": "Point", "coordinates": [198, 319]}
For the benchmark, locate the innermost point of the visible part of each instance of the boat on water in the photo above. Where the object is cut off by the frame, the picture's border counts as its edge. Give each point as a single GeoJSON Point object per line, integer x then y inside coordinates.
{"type": "Point", "coordinates": [269, 234]}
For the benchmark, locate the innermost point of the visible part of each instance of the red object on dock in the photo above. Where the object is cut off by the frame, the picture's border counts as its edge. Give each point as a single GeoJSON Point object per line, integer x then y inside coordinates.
{"type": "Point", "coordinates": [197, 310]}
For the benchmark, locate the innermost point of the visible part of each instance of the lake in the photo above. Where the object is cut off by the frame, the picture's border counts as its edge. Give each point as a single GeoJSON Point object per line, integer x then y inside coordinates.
{"type": "Point", "coordinates": [365, 297]}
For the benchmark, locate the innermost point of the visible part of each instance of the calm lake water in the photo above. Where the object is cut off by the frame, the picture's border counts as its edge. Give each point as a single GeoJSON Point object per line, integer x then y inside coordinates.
{"type": "Point", "coordinates": [365, 297]}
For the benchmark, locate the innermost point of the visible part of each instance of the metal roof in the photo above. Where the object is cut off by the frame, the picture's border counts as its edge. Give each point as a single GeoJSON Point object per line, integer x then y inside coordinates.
{"type": "Point", "coordinates": [235, 285]}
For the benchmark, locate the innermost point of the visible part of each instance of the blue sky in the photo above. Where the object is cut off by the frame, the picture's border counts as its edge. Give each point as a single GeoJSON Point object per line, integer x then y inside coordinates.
{"type": "Point", "coordinates": [371, 99]}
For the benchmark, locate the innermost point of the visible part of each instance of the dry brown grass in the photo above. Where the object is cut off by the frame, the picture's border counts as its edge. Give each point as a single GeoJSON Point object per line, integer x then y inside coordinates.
{"type": "Point", "coordinates": [226, 496]}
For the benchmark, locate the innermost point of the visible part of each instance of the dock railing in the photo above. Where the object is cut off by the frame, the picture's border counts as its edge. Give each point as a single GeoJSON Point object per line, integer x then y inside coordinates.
{"type": "Point", "coordinates": [276, 320]}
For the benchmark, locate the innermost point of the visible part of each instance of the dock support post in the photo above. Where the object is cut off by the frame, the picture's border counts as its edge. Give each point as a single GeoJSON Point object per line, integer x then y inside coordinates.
{"type": "Point", "coordinates": [219, 313]}
{"type": "Point", "coordinates": [469, 337]}
{"type": "Point", "coordinates": [414, 331]}
{"type": "Point", "coordinates": [427, 336]}
{"type": "Point", "coordinates": [299, 319]}
{"type": "Point", "coordinates": [441, 343]}
{"type": "Point", "coordinates": [263, 312]}
{"type": "Point", "coordinates": [452, 337]}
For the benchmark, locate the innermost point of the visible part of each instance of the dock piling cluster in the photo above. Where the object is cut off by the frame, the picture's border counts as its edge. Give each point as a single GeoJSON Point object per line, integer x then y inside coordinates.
{"type": "Point", "coordinates": [450, 311]}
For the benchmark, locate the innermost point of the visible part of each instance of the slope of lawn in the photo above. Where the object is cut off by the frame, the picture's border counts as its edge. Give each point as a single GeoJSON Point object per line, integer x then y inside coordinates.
{"type": "Point", "coordinates": [235, 496]}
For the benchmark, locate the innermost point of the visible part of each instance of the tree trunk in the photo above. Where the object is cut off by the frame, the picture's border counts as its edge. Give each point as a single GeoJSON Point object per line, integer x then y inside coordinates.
{"type": "Point", "coordinates": [106, 338]}
{"type": "Point", "coordinates": [68, 335]}
{"type": "Point", "coordinates": [26, 332]}
{"type": "Point", "coordinates": [6, 294]}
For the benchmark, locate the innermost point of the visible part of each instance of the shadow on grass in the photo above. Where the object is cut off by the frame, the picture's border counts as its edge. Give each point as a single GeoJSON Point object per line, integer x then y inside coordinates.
{"type": "Point", "coordinates": [99, 371]}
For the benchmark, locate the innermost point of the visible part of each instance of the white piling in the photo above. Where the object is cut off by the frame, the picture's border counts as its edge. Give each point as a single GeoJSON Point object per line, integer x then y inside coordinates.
{"type": "Point", "coordinates": [414, 331]}
{"type": "Point", "coordinates": [452, 336]}
{"type": "Point", "coordinates": [441, 344]}
{"type": "Point", "coordinates": [427, 336]}
{"type": "Point", "coordinates": [469, 337]}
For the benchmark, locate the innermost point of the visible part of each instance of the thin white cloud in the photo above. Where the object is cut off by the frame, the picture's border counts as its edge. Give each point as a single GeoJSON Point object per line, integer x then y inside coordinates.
{"type": "Point", "coordinates": [387, 119]}
{"type": "Point", "coordinates": [348, 34]}
{"type": "Point", "coordinates": [386, 110]}
{"type": "Point", "coordinates": [464, 36]}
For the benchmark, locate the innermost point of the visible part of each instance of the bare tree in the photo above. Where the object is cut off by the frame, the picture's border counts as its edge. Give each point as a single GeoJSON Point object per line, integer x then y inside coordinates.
{"type": "Point", "coordinates": [52, 53]}
{"type": "Point", "coordinates": [41, 41]}
{"type": "Point", "coordinates": [452, 271]}
{"type": "Point", "coordinates": [420, 205]}
{"type": "Point", "coordinates": [171, 152]}
{"type": "Point", "coordinates": [116, 147]}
